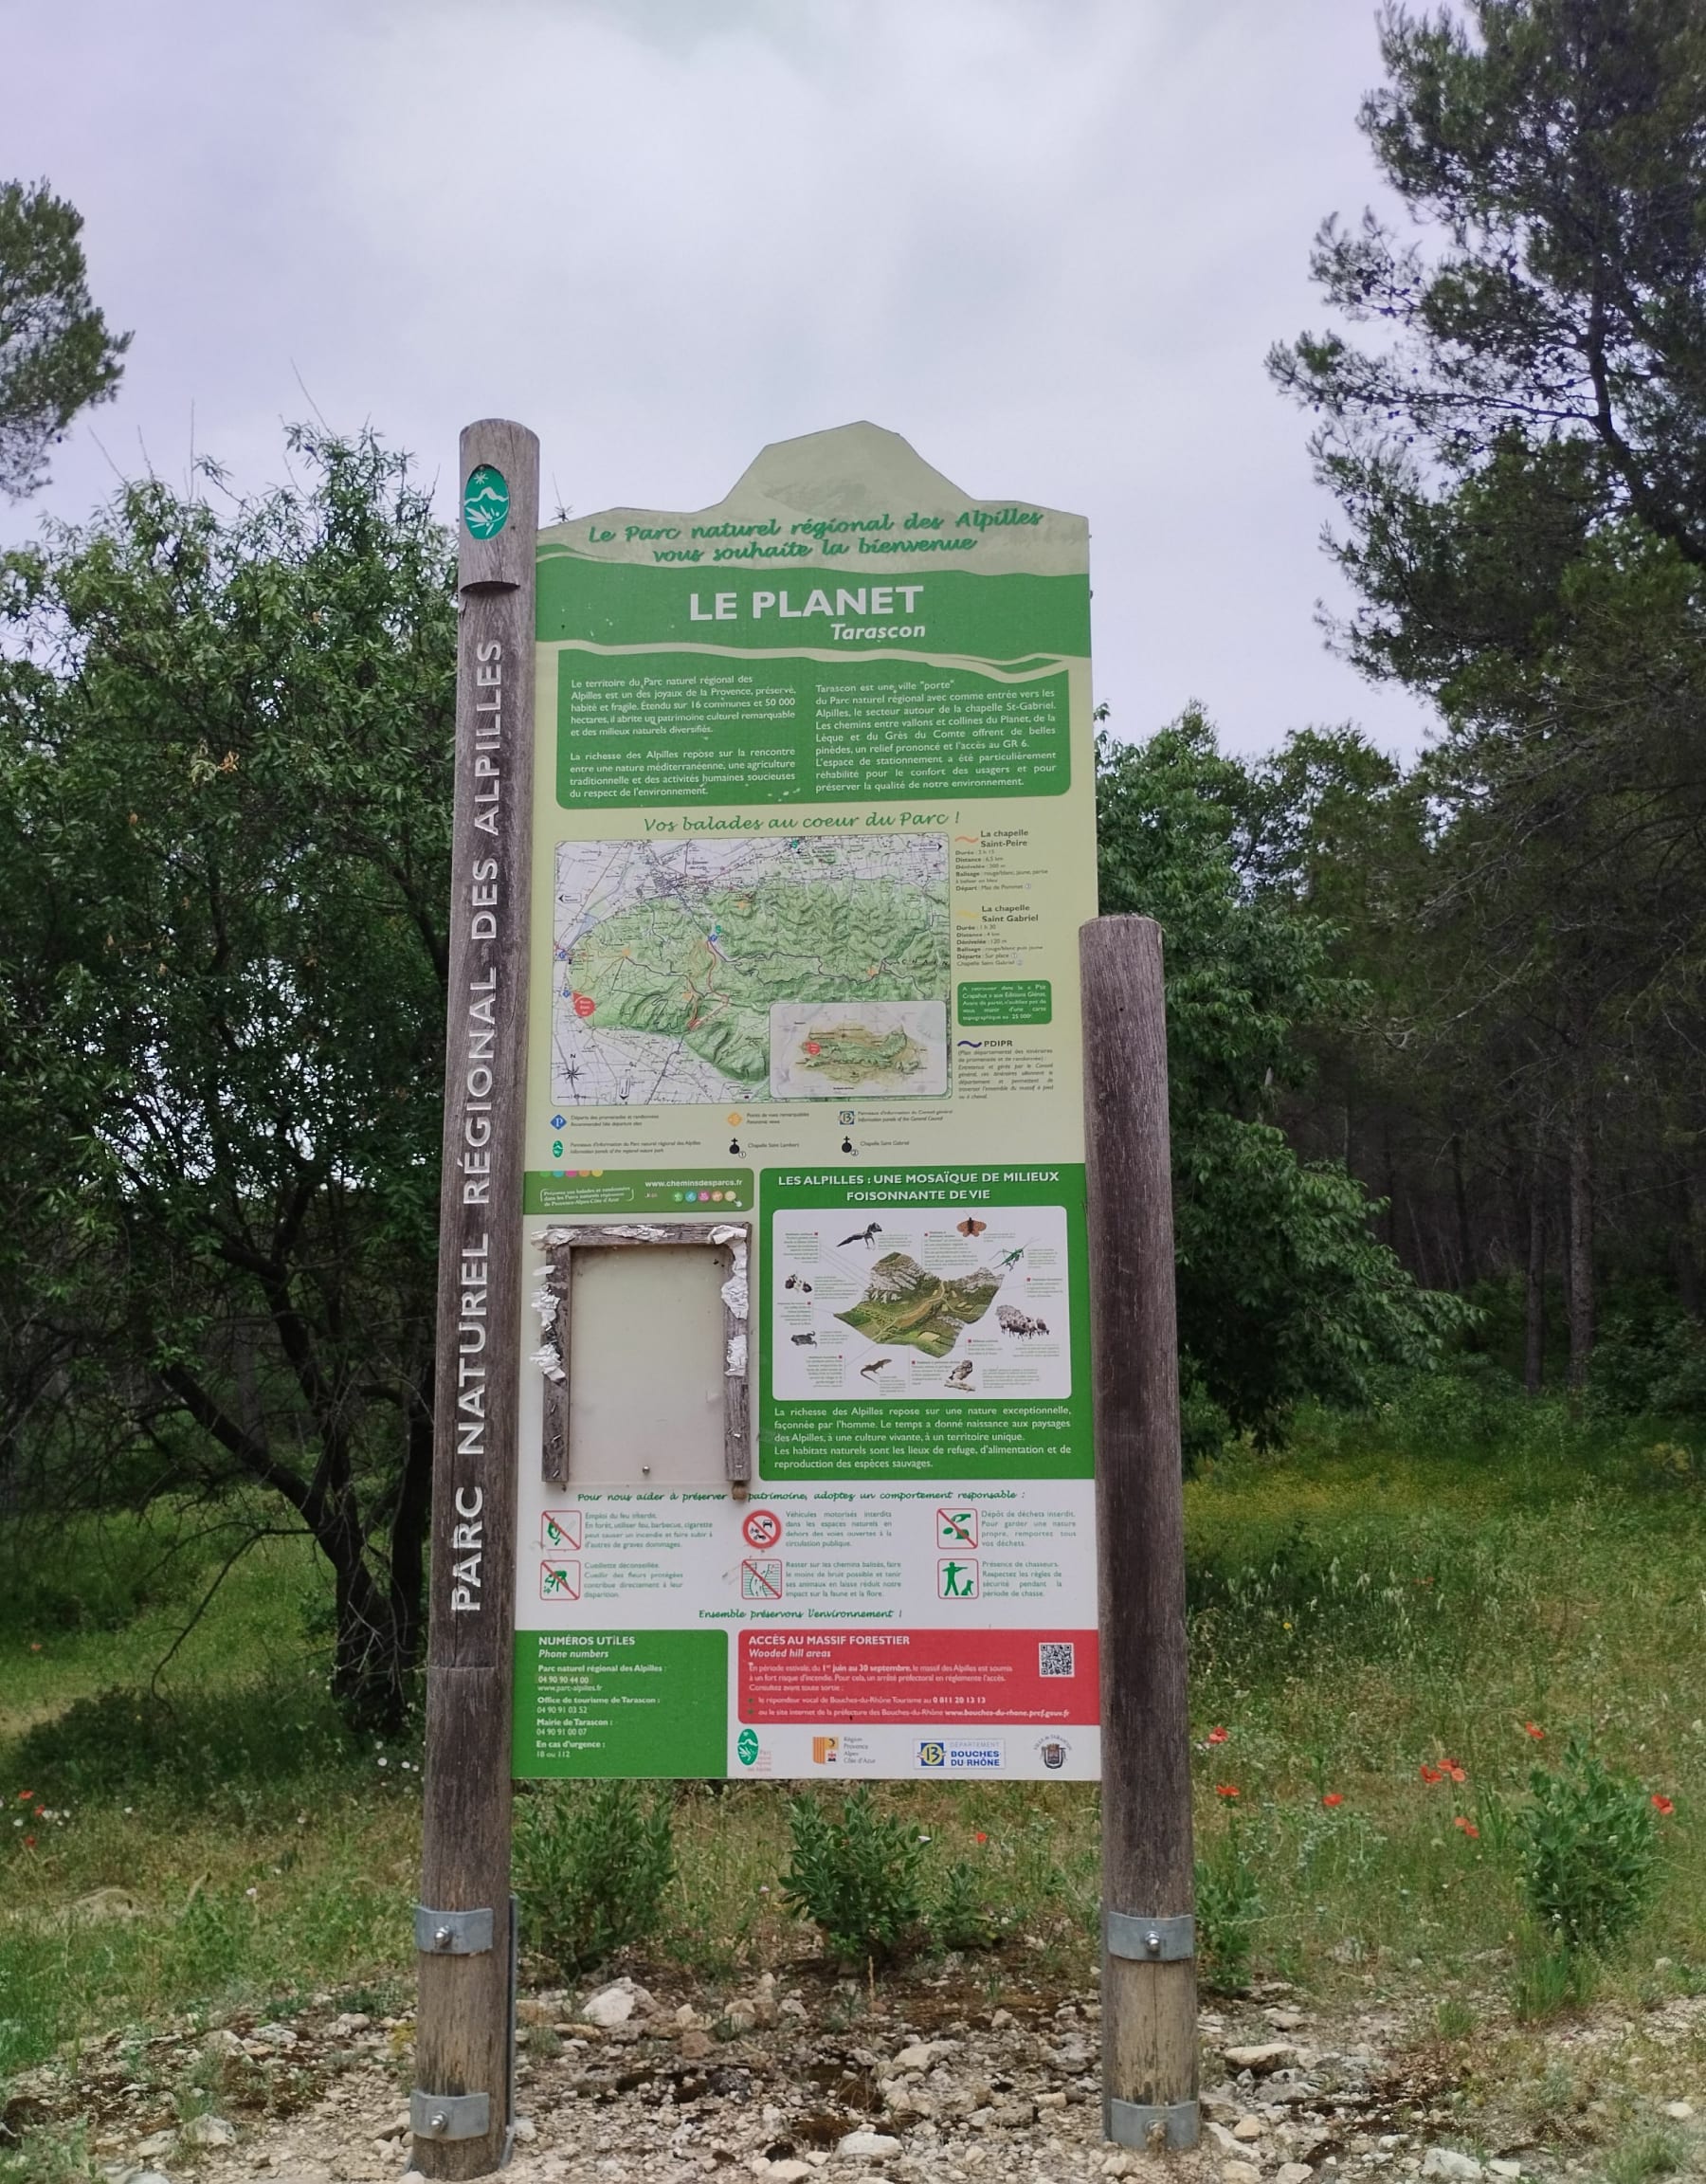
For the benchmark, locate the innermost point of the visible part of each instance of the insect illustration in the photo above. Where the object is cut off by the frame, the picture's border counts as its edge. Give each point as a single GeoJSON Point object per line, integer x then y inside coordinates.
{"type": "Point", "coordinates": [864, 1235]}
{"type": "Point", "coordinates": [1012, 1258]}
{"type": "Point", "coordinates": [970, 1227]}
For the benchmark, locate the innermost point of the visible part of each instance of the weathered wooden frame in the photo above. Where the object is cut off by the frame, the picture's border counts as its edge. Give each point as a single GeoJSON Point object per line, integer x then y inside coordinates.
{"type": "Point", "coordinates": [556, 1358]}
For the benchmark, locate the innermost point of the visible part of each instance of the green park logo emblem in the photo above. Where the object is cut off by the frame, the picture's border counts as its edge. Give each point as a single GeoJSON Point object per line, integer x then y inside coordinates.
{"type": "Point", "coordinates": [747, 1746]}
{"type": "Point", "coordinates": [485, 501]}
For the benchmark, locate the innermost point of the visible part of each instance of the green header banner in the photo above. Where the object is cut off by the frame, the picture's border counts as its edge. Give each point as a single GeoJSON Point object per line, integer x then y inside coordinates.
{"type": "Point", "coordinates": [1011, 619]}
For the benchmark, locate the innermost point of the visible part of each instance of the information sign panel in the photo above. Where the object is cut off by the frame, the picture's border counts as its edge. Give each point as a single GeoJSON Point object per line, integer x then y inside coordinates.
{"type": "Point", "coordinates": [813, 837]}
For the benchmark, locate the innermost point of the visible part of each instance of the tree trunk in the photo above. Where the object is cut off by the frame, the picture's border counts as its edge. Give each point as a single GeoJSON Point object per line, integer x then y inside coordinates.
{"type": "Point", "coordinates": [1534, 1303]}
{"type": "Point", "coordinates": [1684, 1262]}
{"type": "Point", "coordinates": [1581, 1242]}
{"type": "Point", "coordinates": [372, 1663]}
{"type": "Point", "coordinates": [1461, 1198]}
{"type": "Point", "coordinates": [409, 1532]}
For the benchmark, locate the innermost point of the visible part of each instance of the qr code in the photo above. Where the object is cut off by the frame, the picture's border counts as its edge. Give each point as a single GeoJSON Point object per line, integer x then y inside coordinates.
{"type": "Point", "coordinates": [1055, 1657]}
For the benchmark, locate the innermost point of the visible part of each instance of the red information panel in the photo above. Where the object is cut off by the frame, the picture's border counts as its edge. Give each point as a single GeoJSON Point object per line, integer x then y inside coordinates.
{"type": "Point", "coordinates": [999, 1677]}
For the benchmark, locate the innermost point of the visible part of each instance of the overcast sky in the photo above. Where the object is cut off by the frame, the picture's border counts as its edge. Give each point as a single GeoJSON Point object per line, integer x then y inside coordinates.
{"type": "Point", "coordinates": [1048, 241]}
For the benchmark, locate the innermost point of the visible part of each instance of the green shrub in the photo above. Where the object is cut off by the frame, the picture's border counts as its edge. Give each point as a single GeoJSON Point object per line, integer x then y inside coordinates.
{"type": "Point", "coordinates": [1550, 1981]}
{"type": "Point", "coordinates": [961, 1918]}
{"type": "Point", "coordinates": [1649, 2153]}
{"type": "Point", "coordinates": [1588, 1851]}
{"type": "Point", "coordinates": [1649, 1357]}
{"type": "Point", "coordinates": [592, 1863]}
{"type": "Point", "coordinates": [857, 1877]}
{"type": "Point", "coordinates": [1228, 1908]}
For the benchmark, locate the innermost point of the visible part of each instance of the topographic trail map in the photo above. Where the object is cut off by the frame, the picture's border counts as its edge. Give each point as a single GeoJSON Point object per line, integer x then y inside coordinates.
{"type": "Point", "coordinates": [754, 968]}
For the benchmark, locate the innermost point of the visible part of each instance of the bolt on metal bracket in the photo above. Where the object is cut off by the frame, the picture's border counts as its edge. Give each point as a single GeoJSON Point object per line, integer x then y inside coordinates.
{"type": "Point", "coordinates": [447, 2115]}
{"type": "Point", "coordinates": [452, 1933]}
{"type": "Point", "coordinates": [1129, 2124]}
{"type": "Point", "coordinates": [1150, 1940]}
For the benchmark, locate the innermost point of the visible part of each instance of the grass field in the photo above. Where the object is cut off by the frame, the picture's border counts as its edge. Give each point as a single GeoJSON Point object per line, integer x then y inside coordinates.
{"type": "Point", "coordinates": [1460, 1585]}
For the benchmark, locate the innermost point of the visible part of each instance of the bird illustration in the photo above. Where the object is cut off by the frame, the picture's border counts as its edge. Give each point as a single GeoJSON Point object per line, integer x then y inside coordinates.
{"type": "Point", "coordinates": [961, 1374]}
{"type": "Point", "coordinates": [864, 1235]}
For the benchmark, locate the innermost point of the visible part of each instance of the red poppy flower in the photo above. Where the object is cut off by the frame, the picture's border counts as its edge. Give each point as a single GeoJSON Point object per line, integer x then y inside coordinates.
{"type": "Point", "coordinates": [1432, 1773]}
{"type": "Point", "coordinates": [1334, 1797]}
{"type": "Point", "coordinates": [1467, 1826]}
{"type": "Point", "coordinates": [1532, 1729]}
{"type": "Point", "coordinates": [1663, 1805]}
{"type": "Point", "coordinates": [1226, 1789]}
{"type": "Point", "coordinates": [1458, 1773]}
{"type": "Point", "coordinates": [25, 1797]}
{"type": "Point", "coordinates": [30, 1842]}
{"type": "Point", "coordinates": [981, 1837]}
{"type": "Point", "coordinates": [1218, 1736]}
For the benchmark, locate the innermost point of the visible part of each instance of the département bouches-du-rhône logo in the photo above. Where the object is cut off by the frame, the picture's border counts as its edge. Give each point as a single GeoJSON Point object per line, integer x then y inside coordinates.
{"type": "Point", "coordinates": [485, 501]}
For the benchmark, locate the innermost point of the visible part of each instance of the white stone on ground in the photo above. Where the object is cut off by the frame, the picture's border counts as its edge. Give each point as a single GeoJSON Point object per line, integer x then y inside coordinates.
{"type": "Point", "coordinates": [867, 2146]}
{"type": "Point", "coordinates": [1449, 2164]}
{"type": "Point", "coordinates": [209, 2131]}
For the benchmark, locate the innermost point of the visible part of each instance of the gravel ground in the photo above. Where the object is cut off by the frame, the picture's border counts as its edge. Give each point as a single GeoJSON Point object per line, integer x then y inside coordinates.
{"type": "Point", "coordinates": [788, 2081]}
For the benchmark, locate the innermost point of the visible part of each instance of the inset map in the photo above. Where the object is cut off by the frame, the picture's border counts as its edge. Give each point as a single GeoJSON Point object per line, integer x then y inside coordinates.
{"type": "Point", "coordinates": [864, 1049]}
{"type": "Point", "coordinates": [949, 1303]}
{"type": "Point", "coordinates": [929, 1312]}
{"type": "Point", "coordinates": [673, 961]}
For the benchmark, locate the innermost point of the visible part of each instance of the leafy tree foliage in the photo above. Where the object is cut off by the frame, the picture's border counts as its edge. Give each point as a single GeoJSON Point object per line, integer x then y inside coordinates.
{"type": "Point", "coordinates": [57, 352]}
{"type": "Point", "coordinates": [226, 739]}
{"type": "Point", "coordinates": [1283, 1290]}
{"type": "Point", "coordinates": [1516, 438]}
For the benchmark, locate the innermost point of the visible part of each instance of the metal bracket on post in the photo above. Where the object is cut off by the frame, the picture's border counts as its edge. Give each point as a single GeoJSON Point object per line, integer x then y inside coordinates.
{"type": "Point", "coordinates": [1150, 1940]}
{"type": "Point", "coordinates": [452, 1933]}
{"type": "Point", "coordinates": [447, 2115]}
{"type": "Point", "coordinates": [1129, 2124]}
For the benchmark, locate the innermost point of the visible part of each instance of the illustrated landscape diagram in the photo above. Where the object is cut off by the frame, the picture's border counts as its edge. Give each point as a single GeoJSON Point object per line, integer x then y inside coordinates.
{"type": "Point", "coordinates": [756, 968]}
{"type": "Point", "coordinates": [936, 1302]}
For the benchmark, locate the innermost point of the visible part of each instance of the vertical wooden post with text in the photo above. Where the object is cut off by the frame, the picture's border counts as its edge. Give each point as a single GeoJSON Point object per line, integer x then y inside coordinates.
{"type": "Point", "coordinates": [459, 2107]}
{"type": "Point", "coordinates": [1148, 1929]}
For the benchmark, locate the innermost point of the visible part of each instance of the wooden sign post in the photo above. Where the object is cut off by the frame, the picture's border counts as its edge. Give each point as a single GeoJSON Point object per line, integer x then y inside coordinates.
{"type": "Point", "coordinates": [459, 2110]}
{"type": "Point", "coordinates": [1149, 1937]}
